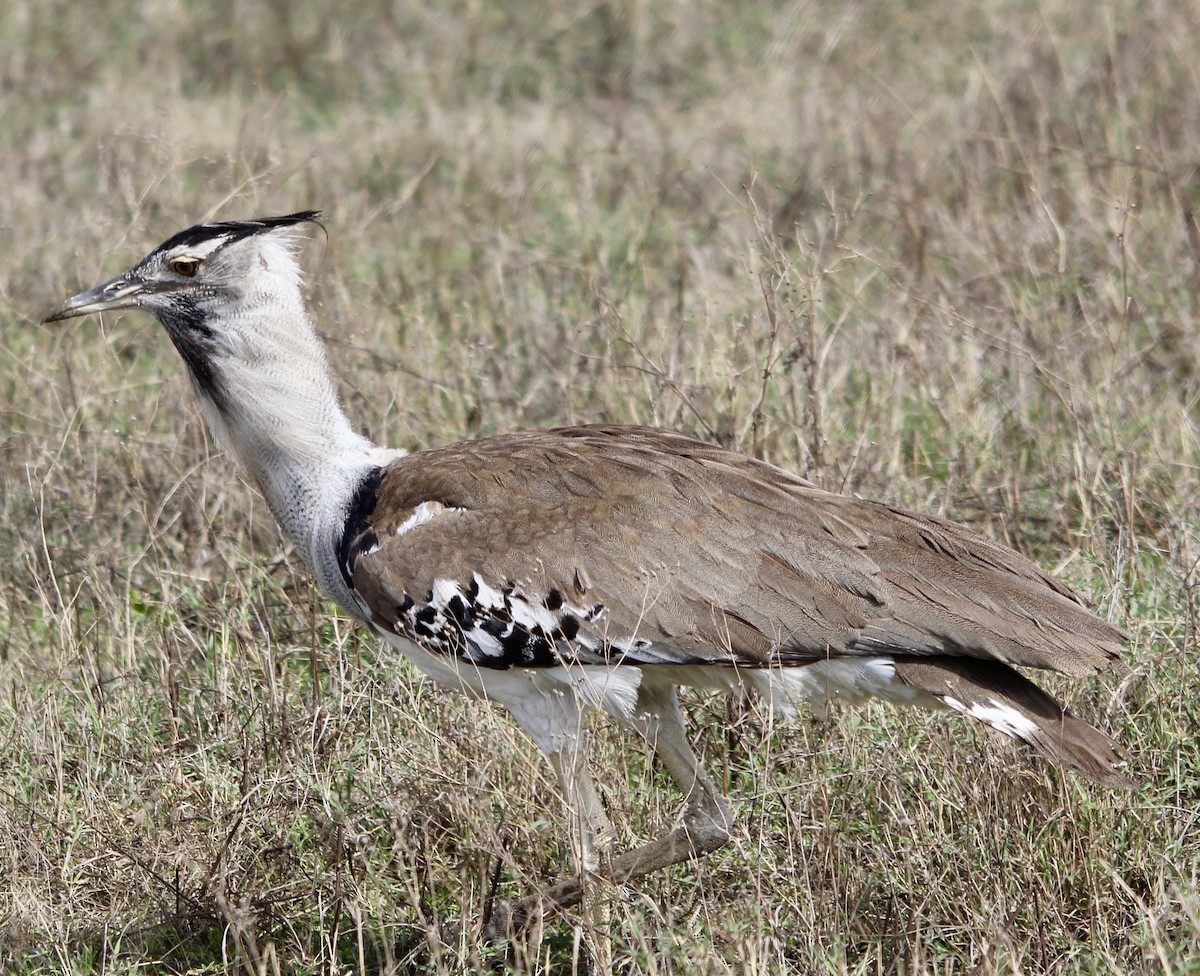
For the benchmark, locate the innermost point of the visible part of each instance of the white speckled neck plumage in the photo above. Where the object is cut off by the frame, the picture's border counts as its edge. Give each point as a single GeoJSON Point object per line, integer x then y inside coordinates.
{"type": "Point", "coordinates": [275, 409]}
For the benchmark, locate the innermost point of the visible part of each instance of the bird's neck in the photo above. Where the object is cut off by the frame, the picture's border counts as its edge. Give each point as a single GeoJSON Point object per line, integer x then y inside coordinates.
{"type": "Point", "coordinates": [277, 412]}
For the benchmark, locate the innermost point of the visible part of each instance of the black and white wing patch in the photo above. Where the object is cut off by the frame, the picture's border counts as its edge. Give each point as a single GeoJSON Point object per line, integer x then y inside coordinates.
{"type": "Point", "coordinates": [468, 585]}
{"type": "Point", "coordinates": [493, 626]}
{"type": "Point", "coordinates": [500, 628]}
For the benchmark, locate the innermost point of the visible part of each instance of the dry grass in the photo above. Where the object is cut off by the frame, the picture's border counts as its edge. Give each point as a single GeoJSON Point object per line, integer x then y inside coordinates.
{"type": "Point", "coordinates": [944, 255]}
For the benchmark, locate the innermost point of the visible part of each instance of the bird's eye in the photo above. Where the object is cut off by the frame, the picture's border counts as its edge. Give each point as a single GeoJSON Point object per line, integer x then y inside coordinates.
{"type": "Point", "coordinates": [185, 267]}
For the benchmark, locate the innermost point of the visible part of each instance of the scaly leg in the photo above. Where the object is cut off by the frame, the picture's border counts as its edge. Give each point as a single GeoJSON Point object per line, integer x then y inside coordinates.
{"type": "Point", "coordinates": [591, 833]}
{"type": "Point", "coordinates": [660, 722]}
{"type": "Point", "coordinates": [589, 825]}
{"type": "Point", "coordinates": [706, 821]}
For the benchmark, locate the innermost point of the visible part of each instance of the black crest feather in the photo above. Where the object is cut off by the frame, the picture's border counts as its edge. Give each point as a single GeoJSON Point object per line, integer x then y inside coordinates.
{"type": "Point", "coordinates": [237, 229]}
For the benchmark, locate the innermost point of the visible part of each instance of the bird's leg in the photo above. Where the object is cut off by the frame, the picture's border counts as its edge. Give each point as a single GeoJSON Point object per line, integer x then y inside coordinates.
{"type": "Point", "coordinates": [707, 816]}
{"type": "Point", "coordinates": [706, 823]}
{"type": "Point", "coordinates": [590, 828]}
{"type": "Point", "coordinates": [591, 837]}
{"type": "Point", "coordinates": [591, 833]}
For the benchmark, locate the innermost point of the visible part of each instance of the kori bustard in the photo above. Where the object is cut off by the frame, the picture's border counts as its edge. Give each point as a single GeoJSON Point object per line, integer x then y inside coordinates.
{"type": "Point", "coordinates": [601, 567]}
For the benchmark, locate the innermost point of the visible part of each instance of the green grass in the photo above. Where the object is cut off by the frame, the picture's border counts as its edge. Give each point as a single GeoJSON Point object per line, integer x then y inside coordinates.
{"type": "Point", "coordinates": [944, 256]}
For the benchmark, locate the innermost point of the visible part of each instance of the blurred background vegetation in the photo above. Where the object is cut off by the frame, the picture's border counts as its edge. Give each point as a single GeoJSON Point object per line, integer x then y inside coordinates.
{"type": "Point", "coordinates": [940, 255]}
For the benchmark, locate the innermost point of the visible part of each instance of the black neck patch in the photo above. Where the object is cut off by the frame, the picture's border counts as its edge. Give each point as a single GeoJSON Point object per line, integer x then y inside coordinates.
{"type": "Point", "coordinates": [357, 534]}
{"type": "Point", "coordinates": [195, 342]}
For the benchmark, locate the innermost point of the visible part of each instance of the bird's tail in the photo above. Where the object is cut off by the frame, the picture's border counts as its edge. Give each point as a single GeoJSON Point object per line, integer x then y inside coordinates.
{"type": "Point", "coordinates": [1006, 700]}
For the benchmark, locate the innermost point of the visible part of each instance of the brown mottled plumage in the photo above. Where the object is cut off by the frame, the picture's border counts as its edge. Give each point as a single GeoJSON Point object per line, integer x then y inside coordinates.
{"type": "Point", "coordinates": [718, 559]}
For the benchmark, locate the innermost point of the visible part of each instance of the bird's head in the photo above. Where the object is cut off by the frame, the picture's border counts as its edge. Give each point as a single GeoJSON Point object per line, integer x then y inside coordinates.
{"type": "Point", "coordinates": [201, 267]}
{"type": "Point", "coordinates": [199, 283]}
{"type": "Point", "coordinates": [229, 297]}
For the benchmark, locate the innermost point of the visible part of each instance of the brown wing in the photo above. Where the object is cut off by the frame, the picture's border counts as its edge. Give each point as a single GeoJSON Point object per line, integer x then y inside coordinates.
{"type": "Point", "coordinates": [652, 547]}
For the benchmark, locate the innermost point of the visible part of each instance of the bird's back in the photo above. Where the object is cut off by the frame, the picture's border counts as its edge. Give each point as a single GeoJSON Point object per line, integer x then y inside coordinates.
{"type": "Point", "coordinates": [653, 546]}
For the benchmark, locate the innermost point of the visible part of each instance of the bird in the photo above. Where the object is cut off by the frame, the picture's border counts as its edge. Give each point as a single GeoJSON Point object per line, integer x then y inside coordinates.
{"type": "Point", "coordinates": [600, 568]}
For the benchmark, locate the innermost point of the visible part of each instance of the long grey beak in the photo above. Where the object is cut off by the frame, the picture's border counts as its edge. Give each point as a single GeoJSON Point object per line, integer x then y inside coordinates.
{"type": "Point", "coordinates": [123, 291]}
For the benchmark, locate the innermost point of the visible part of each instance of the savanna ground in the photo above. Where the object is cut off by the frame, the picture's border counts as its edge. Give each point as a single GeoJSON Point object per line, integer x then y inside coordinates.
{"type": "Point", "coordinates": [942, 255]}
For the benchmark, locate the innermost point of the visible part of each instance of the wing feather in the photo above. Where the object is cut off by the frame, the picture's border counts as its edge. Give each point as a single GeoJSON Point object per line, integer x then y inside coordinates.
{"type": "Point", "coordinates": [694, 554]}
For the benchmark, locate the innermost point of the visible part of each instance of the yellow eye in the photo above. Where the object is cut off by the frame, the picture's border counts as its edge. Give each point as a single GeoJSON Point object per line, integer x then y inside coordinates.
{"type": "Point", "coordinates": [185, 267]}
